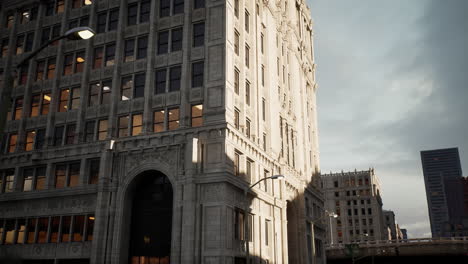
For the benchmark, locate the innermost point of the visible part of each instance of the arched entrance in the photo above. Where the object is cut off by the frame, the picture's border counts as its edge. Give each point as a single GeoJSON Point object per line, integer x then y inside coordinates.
{"type": "Point", "coordinates": [291, 216]}
{"type": "Point", "coordinates": [151, 219]}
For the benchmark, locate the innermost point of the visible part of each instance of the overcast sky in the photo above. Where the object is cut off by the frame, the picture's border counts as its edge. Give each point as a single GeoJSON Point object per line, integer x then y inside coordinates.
{"type": "Point", "coordinates": [393, 80]}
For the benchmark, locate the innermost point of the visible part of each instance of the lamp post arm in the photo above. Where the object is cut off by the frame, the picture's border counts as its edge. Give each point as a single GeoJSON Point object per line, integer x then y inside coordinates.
{"type": "Point", "coordinates": [262, 179]}
{"type": "Point", "coordinates": [34, 53]}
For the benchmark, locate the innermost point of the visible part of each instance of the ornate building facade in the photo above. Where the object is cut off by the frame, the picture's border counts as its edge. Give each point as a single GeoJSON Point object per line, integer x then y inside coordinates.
{"type": "Point", "coordinates": [140, 144]}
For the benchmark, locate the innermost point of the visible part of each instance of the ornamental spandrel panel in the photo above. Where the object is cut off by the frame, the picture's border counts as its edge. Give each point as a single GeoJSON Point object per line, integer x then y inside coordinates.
{"type": "Point", "coordinates": [130, 31]}
{"type": "Point", "coordinates": [114, 3]}
{"type": "Point", "coordinates": [13, 125]}
{"type": "Point", "coordinates": [168, 157]}
{"type": "Point", "coordinates": [61, 118]}
{"type": "Point", "coordinates": [175, 58]}
{"type": "Point", "coordinates": [103, 110]}
{"type": "Point", "coordinates": [173, 98]}
{"type": "Point", "coordinates": [177, 20]}
{"type": "Point", "coordinates": [137, 104]}
{"type": "Point", "coordinates": [99, 39]}
{"type": "Point", "coordinates": [111, 36]}
{"type": "Point", "coordinates": [164, 23]}
{"type": "Point", "coordinates": [215, 62]}
{"type": "Point", "coordinates": [85, 10]}
{"type": "Point", "coordinates": [215, 192]}
{"type": "Point", "coordinates": [72, 115]}
{"type": "Point", "coordinates": [91, 112]}
{"type": "Point", "coordinates": [161, 60]}
{"type": "Point", "coordinates": [108, 72]}
{"type": "Point", "coordinates": [64, 81]}
{"type": "Point", "coordinates": [18, 90]}
{"type": "Point", "coordinates": [76, 79]}
{"type": "Point", "coordinates": [197, 53]}
{"type": "Point", "coordinates": [198, 14]}
{"type": "Point", "coordinates": [102, 5]}
{"type": "Point", "coordinates": [140, 65]}
{"type": "Point", "coordinates": [123, 107]}
{"type": "Point", "coordinates": [95, 75]}
{"type": "Point", "coordinates": [69, 46]}
{"type": "Point", "coordinates": [49, 206]}
{"type": "Point", "coordinates": [196, 94]}
{"type": "Point", "coordinates": [143, 28]}
{"type": "Point", "coordinates": [74, 13]}
{"type": "Point", "coordinates": [215, 96]}
{"type": "Point", "coordinates": [127, 68]}
{"type": "Point", "coordinates": [159, 100]}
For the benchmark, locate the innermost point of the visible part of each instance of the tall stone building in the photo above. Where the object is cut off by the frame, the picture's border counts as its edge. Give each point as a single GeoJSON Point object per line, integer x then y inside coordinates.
{"type": "Point", "coordinates": [139, 145]}
{"type": "Point", "coordinates": [444, 191]}
{"type": "Point", "coordinates": [355, 198]}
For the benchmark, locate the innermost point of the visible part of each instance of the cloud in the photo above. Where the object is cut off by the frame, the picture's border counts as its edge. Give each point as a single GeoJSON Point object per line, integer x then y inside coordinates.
{"type": "Point", "coordinates": [393, 80]}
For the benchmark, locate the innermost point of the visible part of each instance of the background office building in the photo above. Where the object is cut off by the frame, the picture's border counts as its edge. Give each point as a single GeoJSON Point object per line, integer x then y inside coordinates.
{"type": "Point", "coordinates": [355, 198]}
{"type": "Point", "coordinates": [444, 191]}
{"type": "Point", "coordinates": [139, 144]}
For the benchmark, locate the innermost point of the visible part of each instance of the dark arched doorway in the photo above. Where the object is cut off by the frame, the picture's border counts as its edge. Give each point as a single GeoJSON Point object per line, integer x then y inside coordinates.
{"type": "Point", "coordinates": [151, 219]}
{"type": "Point", "coordinates": [291, 217]}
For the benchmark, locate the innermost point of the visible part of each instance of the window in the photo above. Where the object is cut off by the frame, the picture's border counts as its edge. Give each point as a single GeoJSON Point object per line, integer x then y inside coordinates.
{"type": "Point", "coordinates": [173, 120]}
{"type": "Point", "coordinates": [141, 48]}
{"type": "Point", "coordinates": [247, 92]}
{"type": "Point", "coordinates": [335, 183]}
{"type": "Point", "coordinates": [247, 127]}
{"type": "Point", "coordinates": [369, 211]}
{"type": "Point", "coordinates": [69, 99]}
{"type": "Point", "coordinates": [19, 44]}
{"type": "Point", "coordinates": [34, 179]}
{"type": "Point", "coordinates": [132, 86]}
{"type": "Point", "coordinates": [164, 8]}
{"type": "Point", "coordinates": [78, 228]}
{"type": "Point", "coordinates": [50, 33]}
{"type": "Point", "coordinates": [93, 171]}
{"type": "Point", "coordinates": [177, 6]}
{"type": "Point", "coordinates": [45, 66]}
{"type": "Point", "coordinates": [21, 76]}
{"type": "Point", "coordinates": [70, 134]}
{"type": "Point", "coordinates": [247, 55]}
{"type": "Point", "coordinates": [262, 41]}
{"type": "Point", "coordinates": [197, 115]}
{"type": "Point", "coordinates": [236, 163]}
{"type": "Point", "coordinates": [267, 232]}
{"type": "Point", "coordinates": [248, 170]}
{"type": "Point", "coordinates": [10, 19]}
{"type": "Point", "coordinates": [263, 75]}
{"type": "Point", "coordinates": [21, 235]}
{"type": "Point", "coordinates": [31, 230]}
{"type": "Point", "coordinates": [28, 45]}
{"type": "Point", "coordinates": [160, 81]}
{"type": "Point", "coordinates": [8, 180]}
{"type": "Point", "coordinates": [158, 121]}
{"type": "Point", "coordinates": [109, 58]}
{"type": "Point", "coordinates": [18, 108]}
{"type": "Point", "coordinates": [236, 118]}
{"type": "Point", "coordinates": [89, 131]}
{"type": "Point", "coordinates": [102, 129]}
{"type": "Point", "coordinates": [236, 80]}
{"type": "Point", "coordinates": [264, 141]}
{"type": "Point", "coordinates": [79, 22]}
{"type": "Point", "coordinates": [123, 126]}
{"type": "Point", "coordinates": [4, 48]}
{"type": "Point", "coordinates": [107, 21]}
{"type": "Point", "coordinates": [39, 141]}
{"type": "Point", "coordinates": [42, 227]}
{"type": "Point", "coordinates": [90, 227]}
{"type": "Point", "coordinates": [263, 109]}
{"type": "Point", "coordinates": [239, 224]}
{"type": "Point", "coordinates": [137, 124]}
{"type": "Point", "coordinates": [99, 93]}
{"type": "Point", "coordinates": [129, 50]}
{"type": "Point", "coordinates": [197, 74]}
{"type": "Point", "coordinates": [198, 34]}
{"type": "Point", "coordinates": [174, 78]}
{"type": "Point", "coordinates": [176, 39]}
{"type": "Point", "coordinates": [73, 62]}
{"type": "Point", "coordinates": [163, 42]}
{"type": "Point", "coordinates": [199, 4]}
{"type": "Point", "coordinates": [236, 8]}
{"type": "Point", "coordinates": [138, 12]}
{"type": "Point", "coordinates": [30, 135]}
{"type": "Point", "coordinates": [236, 42]}
{"type": "Point", "coordinates": [247, 20]}
{"type": "Point", "coordinates": [81, 3]}
{"type": "Point", "coordinates": [65, 229]}
{"type": "Point", "coordinates": [67, 174]}
{"type": "Point", "coordinates": [58, 135]}
{"type": "Point", "coordinates": [54, 229]}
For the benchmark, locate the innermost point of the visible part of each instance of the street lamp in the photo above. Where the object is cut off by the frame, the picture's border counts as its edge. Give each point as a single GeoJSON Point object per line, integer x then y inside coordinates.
{"type": "Point", "coordinates": [77, 33]}
{"type": "Point", "coordinates": [246, 221]}
{"type": "Point", "coordinates": [331, 215]}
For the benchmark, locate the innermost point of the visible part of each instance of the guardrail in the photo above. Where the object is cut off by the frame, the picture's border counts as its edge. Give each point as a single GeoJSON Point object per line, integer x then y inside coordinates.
{"type": "Point", "coordinates": [383, 243]}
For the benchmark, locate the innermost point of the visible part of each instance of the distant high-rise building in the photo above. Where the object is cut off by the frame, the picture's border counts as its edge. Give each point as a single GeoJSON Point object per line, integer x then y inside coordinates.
{"type": "Point", "coordinates": [390, 224]}
{"type": "Point", "coordinates": [444, 192]}
{"type": "Point", "coordinates": [355, 198]}
{"type": "Point", "coordinates": [404, 231]}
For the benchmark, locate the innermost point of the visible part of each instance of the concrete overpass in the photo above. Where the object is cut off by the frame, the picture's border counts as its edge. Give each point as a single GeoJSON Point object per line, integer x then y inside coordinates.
{"type": "Point", "coordinates": [419, 250]}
